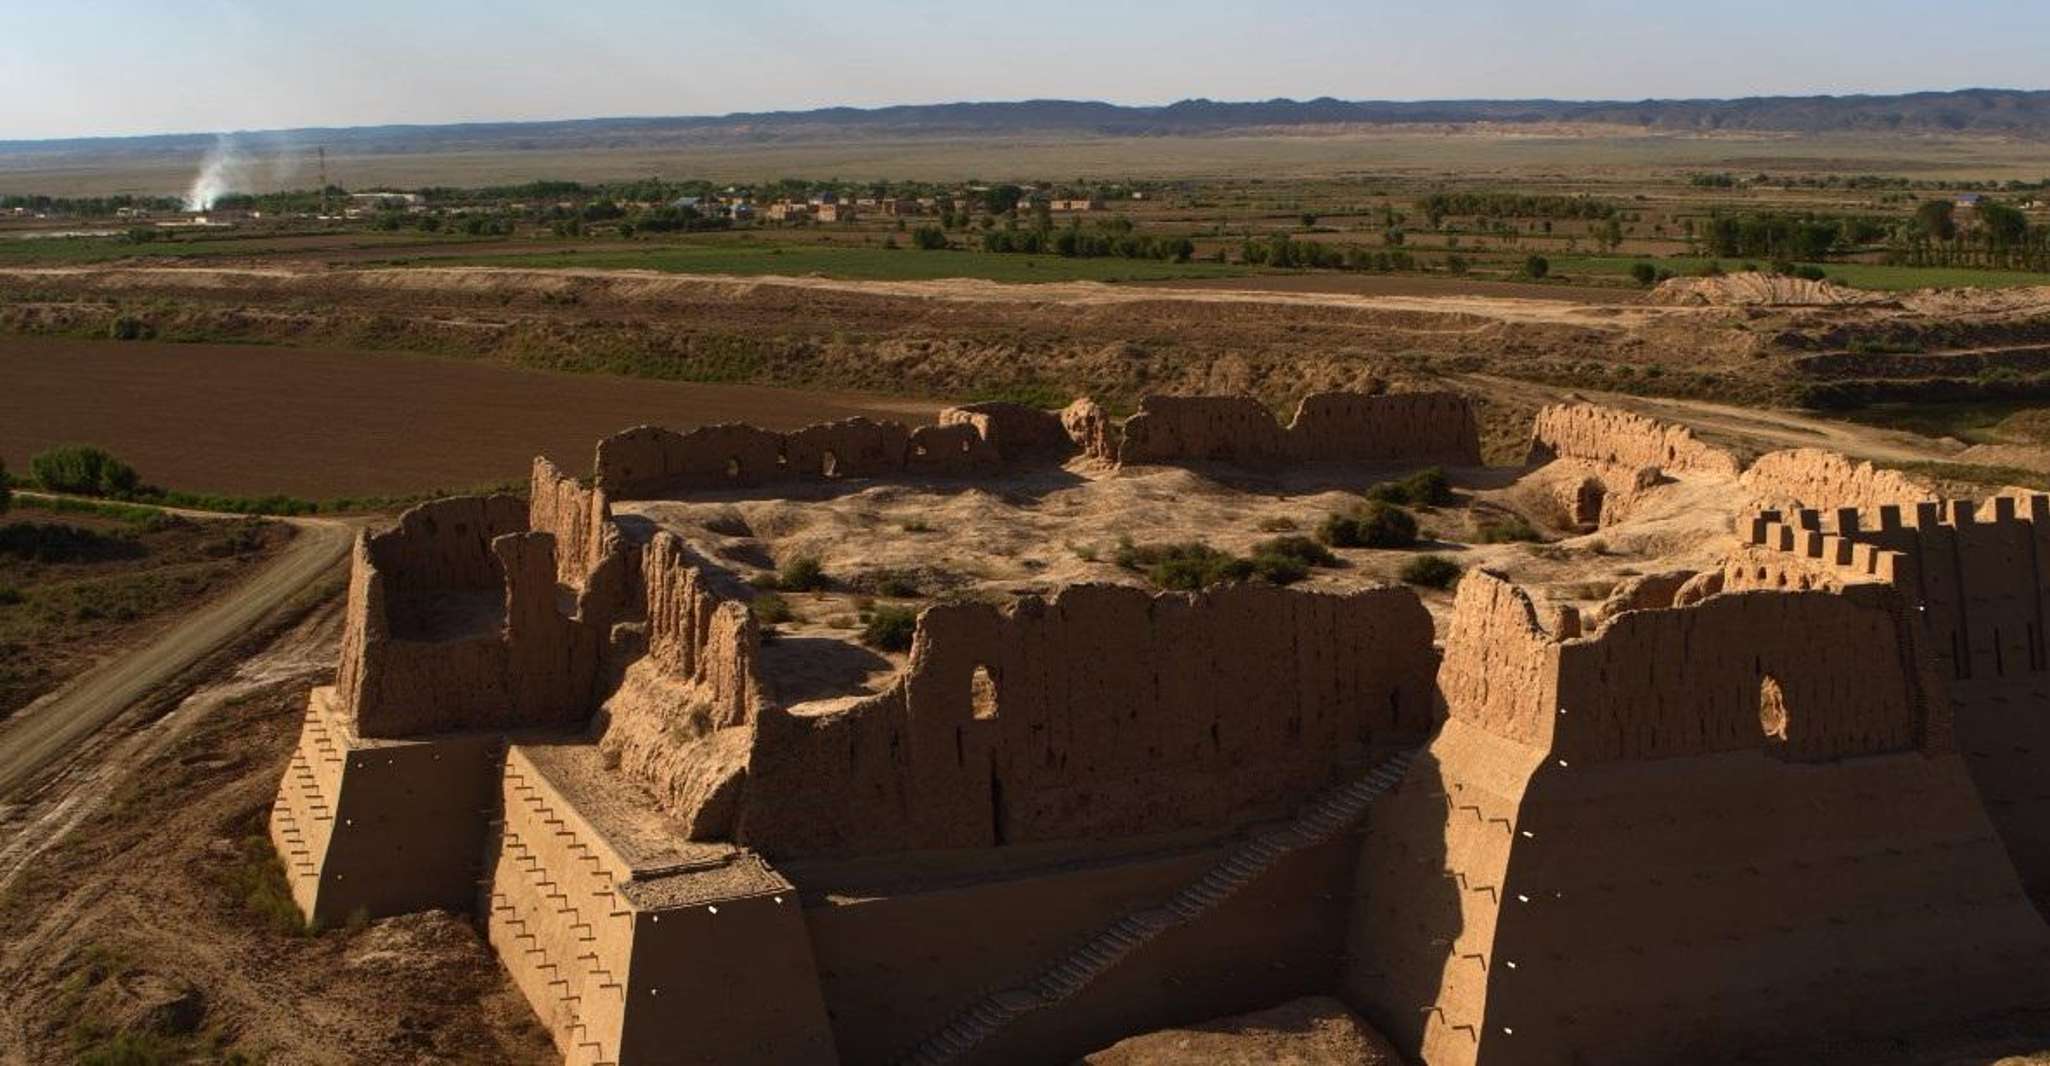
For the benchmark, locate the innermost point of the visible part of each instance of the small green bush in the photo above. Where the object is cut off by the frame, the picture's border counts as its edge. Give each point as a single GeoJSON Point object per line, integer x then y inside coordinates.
{"type": "Point", "coordinates": [802, 574]}
{"type": "Point", "coordinates": [895, 584]}
{"type": "Point", "coordinates": [1428, 487]}
{"type": "Point", "coordinates": [771, 609]}
{"type": "Point", "coordinates": [890, 628]}
{"type": "Point", "coordinates": [1431, 571]}
{"type": "Point", "coordinates": [1537, 266]}
{"type": "Point", "coordinates": [1376, 525]}
{"type": "Point", "coordinates": [83, 469]}
{"type": "Point", "coordinates": [1645, 274]}
{"type": "Point", "coordinates": [1302, 549]}
{"type": "Point", "coordinates": [1508, 529]}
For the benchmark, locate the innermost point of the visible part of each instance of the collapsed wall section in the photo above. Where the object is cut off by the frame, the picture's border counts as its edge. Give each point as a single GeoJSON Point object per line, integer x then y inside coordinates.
{"type": "Point", "coordinates": [1614, 458]}
{"type": "Point", "coordinates": [683, 717]}
{"type": "Point", "coordinates": [1813, 477]}
{"type": "Point", "coordinates": [1529, 917]}
{"type": "Point", "coordinates": [966, 441]}
{"type": "Point", "coordinates": [1105, 711]}
{"type": "Point", "coordinates": [1328, 427]}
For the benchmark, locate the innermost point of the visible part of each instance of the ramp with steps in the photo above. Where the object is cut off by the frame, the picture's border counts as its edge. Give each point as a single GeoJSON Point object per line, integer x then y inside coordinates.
{"type": "Point", "coordinates": [1067, 975]}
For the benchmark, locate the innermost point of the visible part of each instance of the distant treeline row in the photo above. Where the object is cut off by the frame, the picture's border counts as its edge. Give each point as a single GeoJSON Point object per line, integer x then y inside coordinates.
{"type": "Point", "coordinates": [89, 206]}
{"type": "Point", "coordinates": [1725, 180]}
{"type": "Point", "coordinates": [1117, 239]}
{"type": "Point", "coordinates": [1439, 205]}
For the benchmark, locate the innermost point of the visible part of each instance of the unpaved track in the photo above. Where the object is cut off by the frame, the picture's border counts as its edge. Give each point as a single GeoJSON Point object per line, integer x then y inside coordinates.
{"type": "Point", "coordinates": [51, 730]}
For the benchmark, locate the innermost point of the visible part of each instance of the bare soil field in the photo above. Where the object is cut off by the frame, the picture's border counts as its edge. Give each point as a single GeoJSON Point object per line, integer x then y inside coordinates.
{"type": "Point", "coordinates": [320, 423]}
{"type": "Point", "coordinates": [160, 930]}
{"type": "Point", "coordinates": [76, 587]}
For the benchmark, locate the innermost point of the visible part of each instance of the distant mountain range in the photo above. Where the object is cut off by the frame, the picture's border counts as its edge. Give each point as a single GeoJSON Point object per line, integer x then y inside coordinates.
{"type": "Point", "coordinates": [2010, 112]}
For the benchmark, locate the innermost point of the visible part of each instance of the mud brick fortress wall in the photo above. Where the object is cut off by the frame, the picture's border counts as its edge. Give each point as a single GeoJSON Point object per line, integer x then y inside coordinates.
{"type": "Point", "coordinates": [1104, 711]}
{"type": "Point", "coordinates": [1975, 582]}
{"type": "Point", "coordinates": [1729, 816]}
{"type": "Point", "coordinates": [1590, 865]}
{"type": "Point", "coordinates": [1618, 456]}
{"type": "Point", "coordinates": [1426, 427]}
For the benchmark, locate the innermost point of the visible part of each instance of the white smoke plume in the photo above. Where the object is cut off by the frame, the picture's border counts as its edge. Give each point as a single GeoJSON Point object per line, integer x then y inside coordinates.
{"type": "Point", "coordinates": [219, 172]}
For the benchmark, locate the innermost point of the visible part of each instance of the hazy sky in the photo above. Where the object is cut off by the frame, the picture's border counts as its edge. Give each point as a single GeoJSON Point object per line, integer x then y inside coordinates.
{"type": "Point", "coordinates": [88, 67]}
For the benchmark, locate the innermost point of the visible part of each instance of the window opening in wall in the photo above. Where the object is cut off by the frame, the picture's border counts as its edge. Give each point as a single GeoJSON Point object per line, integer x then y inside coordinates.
{"type": "Point", "coordinates": [829, 465]}
{"type": "Point", "coordinates": [982, 694]}
{"type": "Point", "coordinates": [733, 469]}
{"type": "Point", "coordinates": [1772, 709]}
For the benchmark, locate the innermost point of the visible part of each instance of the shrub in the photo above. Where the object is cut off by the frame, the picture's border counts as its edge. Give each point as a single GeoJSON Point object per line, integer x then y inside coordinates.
{"type": "Point", "coordinates": [1428, 487]}
{"type": "Point", "coordinates": [1431, 571]}
{"type": "Point", "coordinates": [1508, 528]}
{"type": "Point", "coordinates": [1302, 549]}
{"type": "Point", "coordinates": [1646, 274]}
{"type": "Point", "coordinates": [771, 609]}
{"type": "Point", "coordinates": [895, 584]}
{"type": "Point", "coordinates": [1193, 565]}
{"type": "Point", "coordinates": [802, 574]}
{"type": "Point", "coordinates": [83, 469]}
{"type": "Point", "coordinates": [125, 328]}
{"type": "Point", "coordinates": [1811, 273]}
{"type": "Point", "coordinates": [1376, 525]}
{"type": "Point", "coordinates": [890, 628]}
{"type": "Point", "coordinates": [929, 238]}
{"type": "Point", "coordinates": [1537, 266]}
{"type": "Point", "coordinates": [1277, 524]}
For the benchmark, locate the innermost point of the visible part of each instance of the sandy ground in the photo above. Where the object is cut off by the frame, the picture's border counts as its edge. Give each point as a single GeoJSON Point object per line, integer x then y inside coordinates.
{"type": "Point", "coordinates": [138, 922]}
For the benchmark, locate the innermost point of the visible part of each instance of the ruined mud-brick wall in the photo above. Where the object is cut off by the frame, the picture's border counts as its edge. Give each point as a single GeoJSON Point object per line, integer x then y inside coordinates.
{"type": "Point", "coordinates": [1620, 456]}
{"type": "Point", "coordinates": [1327, 427]}
{"type": "Point", "coordinates": [1018, 433]}
{"type": "Point", "coordinates": [1812, 477]}
{"type": "Point", "coordinates": [1976, 582]}
{"type": "Point", "coordinates": [1746, 796]}
{"type": "Point", "coordinates": [453, 622]}
{"type": "Point", "coordinates": [1616, 438]}
{"type": "Point", "coordinates": [594, 562]}
{"type": "Point", "coordinates": [683, 716]}
{"type": "Point", "coordinates": [649, 461]}
{"type": "Point", "coordinates": [1105, 711]}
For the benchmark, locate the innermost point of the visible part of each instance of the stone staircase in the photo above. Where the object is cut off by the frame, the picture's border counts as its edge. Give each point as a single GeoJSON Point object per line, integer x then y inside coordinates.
{"type": "Point", "coordinates": [1330, 815]}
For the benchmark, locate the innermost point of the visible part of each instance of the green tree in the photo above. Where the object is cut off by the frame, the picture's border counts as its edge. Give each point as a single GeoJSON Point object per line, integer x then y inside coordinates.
{"type": "Point", "coordinates": [1000, 199]}
{"type": "Point", "coordinates": [1537, 266]}
{"type": "Point", "coordinates": [1937, 220]}
{"type": "Point", "coordinates": [83, 469]}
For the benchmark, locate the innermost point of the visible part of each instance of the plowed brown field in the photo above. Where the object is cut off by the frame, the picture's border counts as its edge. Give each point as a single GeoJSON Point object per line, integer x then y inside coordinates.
{"type": "Point", "coordinates": [251, 419]}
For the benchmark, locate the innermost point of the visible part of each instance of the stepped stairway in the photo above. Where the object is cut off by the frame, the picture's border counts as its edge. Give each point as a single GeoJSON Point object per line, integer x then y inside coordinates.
{"type": "Point", "coordinates": [1330, 815]}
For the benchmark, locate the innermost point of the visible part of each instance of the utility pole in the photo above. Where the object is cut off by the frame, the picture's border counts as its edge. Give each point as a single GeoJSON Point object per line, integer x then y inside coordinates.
{"type": "Point", "coordinates": [322, 150]}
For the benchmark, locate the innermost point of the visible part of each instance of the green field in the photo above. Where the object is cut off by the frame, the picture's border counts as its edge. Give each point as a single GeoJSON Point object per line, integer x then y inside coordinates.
{"type": "Point", "coordinates": [66, 251]}
{"type": "Point", "coordinates": [874, 264]}
{"type": "Point", "coordinates": [1858, 275]}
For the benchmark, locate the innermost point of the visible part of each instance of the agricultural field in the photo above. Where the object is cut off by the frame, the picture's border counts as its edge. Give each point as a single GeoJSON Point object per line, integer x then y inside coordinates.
{"type": "Point", "coordinates": [319, 424]}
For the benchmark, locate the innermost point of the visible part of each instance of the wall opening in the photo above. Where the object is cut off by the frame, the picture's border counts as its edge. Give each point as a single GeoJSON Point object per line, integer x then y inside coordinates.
{"type": "Point", "coordinates": [829, 465]}
{"type": "Point", "coordinates": [733, 469]}
{"type": "Point", "coordinates": [1772, 709]}
{"type": "Point", "coordinates": [982, 694]}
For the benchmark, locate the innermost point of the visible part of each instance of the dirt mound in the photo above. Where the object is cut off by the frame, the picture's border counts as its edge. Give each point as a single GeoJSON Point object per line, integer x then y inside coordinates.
{"type": "Point", "coordinates": [1314, 1031]}
{"type": "Point", "coordinates": [1756, 289]}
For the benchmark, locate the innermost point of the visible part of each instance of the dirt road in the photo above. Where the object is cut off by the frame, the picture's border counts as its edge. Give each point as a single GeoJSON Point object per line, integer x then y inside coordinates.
{"type": "Point", "coordinates": [55, 728]}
